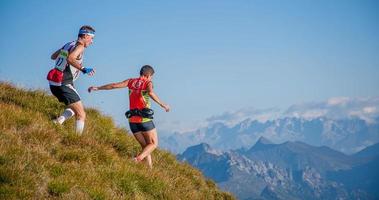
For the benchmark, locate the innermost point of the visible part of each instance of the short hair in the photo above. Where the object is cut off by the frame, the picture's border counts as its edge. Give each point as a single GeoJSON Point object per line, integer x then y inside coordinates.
{"type": "Point", "coordinates": [146, 70]}
{"type": "Point", "coordinates": [86, 28]}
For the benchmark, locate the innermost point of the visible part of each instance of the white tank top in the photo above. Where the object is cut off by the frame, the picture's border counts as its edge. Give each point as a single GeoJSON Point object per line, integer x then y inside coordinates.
{"type": "Point", "coordinates": [70, 73]}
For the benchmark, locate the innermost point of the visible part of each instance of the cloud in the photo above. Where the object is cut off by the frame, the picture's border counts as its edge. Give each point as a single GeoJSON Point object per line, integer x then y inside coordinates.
{"type": "Point", "coordinates": [334, 101]}
{"type": "Point", "coordinates": [369, 109]}
{"type": "Point", "coordinates": [366, 109]}
{"type": "Point", "coordinates": [337, 108]}
{"type": "Point", "coordinates": [310, 114]}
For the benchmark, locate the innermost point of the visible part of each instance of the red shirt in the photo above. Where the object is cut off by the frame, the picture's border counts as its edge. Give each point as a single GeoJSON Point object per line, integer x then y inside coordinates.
{"type": "Point", "coordinates": [138, 97]}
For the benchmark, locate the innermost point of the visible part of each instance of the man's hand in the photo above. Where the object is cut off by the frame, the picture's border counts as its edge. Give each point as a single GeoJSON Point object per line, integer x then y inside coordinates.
{"type": "Point", "coordinates": [165, 107]}
{"type": "Point", "coordinates": [92, 88]}
{"type": "Point", "coordinates": [88, 71]}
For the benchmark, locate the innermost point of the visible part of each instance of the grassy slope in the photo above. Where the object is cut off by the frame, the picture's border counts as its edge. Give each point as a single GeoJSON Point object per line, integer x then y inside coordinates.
{"type": "Point", "coordinates": [40, 160]}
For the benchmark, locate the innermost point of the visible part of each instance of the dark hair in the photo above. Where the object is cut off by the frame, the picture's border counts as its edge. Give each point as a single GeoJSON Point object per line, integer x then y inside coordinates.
{"type": "Point", "coordinates": [85, 28]}
{"type": "Point", "coordinates": [146, 70]}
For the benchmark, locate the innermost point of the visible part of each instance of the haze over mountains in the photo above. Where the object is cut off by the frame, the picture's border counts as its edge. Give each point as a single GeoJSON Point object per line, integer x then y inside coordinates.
{"type": "Point", "coordinates": [344, 124]}
{"type": "Point", "coordinates": [324, 150]}
{"type": "Point", "coordinates": [290, 170]}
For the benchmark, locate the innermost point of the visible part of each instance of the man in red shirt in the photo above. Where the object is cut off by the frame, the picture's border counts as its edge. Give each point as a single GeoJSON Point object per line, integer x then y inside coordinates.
{"type": "Point", "coordinates": [140, 115]}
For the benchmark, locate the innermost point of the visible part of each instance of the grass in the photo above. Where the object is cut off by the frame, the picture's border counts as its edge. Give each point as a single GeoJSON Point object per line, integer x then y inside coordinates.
{"type": "Point", "coordinates": [40, 160]}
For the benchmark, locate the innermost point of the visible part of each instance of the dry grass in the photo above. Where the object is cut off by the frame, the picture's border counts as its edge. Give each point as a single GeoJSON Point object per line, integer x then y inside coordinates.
{"type": "Point", "coordinates": [40, 160]}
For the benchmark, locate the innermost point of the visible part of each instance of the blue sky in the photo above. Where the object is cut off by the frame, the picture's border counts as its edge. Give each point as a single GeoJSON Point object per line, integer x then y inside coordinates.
{"type": "Point", "coordinates": [209, 56]}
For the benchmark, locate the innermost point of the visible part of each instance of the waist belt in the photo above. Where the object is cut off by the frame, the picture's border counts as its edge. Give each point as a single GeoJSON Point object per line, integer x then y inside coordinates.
{"type": "Point", "coordinates": [145, 113]}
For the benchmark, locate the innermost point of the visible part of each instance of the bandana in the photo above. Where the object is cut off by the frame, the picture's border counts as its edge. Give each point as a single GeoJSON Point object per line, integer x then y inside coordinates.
{"type": "Point", "coordinates": [87, 32]}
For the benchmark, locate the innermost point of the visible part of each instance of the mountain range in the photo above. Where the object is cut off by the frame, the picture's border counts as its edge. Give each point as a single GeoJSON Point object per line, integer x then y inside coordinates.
{"type": "Point", "coordinates": [345, 124]}
{"type": "Point", "coordinates": [348, 135]}
{"type": "Point", "coordinates": [289, 170]}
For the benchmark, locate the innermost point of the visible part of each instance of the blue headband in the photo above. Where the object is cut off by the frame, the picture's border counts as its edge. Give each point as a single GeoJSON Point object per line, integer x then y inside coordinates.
{"type": "Point", "coordinates": [87, 32]}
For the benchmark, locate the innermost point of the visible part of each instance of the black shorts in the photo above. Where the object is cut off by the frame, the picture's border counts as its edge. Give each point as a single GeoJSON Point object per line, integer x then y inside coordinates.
{"type": "Point", "coordinates": [138, 127]}
{"type": "Point", "coordinates": [65, 93]}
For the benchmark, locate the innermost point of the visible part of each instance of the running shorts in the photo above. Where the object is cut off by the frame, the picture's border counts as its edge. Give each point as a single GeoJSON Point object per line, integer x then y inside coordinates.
{"type": "Point", "coordinates": [144, 126]}
{"type": "Point", "coordinates": [65, 93]}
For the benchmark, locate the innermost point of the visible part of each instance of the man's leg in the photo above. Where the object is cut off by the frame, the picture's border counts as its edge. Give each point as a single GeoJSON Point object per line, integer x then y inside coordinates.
{"type": "Point", "coordinates": [62, 94]}
{"type": "Point", "coordinates": [141, 140]}
{"type": "Point", "coordinates": [67, 114]}
{"type": "Point", "coordinates": [151, 143]}
{"type": "Point", "coordinates": [80, 115]}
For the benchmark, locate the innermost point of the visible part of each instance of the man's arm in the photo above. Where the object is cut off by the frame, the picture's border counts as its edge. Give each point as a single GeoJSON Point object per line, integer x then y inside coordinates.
{"type": "Point", "coordinates": [156, 98]}
{"type": "Point", "coordinates": [110, 86]}
{"type": "Point", "coordinates": [71, 59]}
{"type": "Point", "coordinates": [55, 54]}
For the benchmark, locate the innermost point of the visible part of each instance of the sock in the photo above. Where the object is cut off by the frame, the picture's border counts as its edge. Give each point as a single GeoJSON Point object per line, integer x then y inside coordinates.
{"type": "Point", "coordinates": [79, 126]}
{"type": "Point", "coordinates": [67, 114]}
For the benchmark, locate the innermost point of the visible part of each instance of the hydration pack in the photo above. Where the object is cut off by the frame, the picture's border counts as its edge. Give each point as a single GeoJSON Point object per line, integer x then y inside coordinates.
{"type": "Point", "coordinates": [145, 113]}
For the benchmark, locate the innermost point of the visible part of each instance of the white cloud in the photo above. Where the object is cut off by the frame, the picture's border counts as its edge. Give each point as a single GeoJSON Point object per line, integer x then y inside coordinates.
{"type": "Point", "coordinates": [333, 108]}
{"type": "Point", "coordinates": [337, 108]}
{"type": "Point", "coordinates": [369, 109]}
{"type": "Point", "coordinates": [310, 114]}
{"type": "Point", "coordinates": [337, 101]}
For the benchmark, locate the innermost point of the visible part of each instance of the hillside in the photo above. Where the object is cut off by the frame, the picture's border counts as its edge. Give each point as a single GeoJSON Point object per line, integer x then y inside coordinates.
{"type": "Point", "coordinates": [40, 160]}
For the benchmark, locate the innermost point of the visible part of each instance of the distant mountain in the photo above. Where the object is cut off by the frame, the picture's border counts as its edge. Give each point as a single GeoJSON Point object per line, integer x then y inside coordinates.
{"type": "Point", "coordinates": [346, 135]}
{"type": "Point", "coordinates": [203, 157]}
{"type": "Point", "coordinates": [341, 123]}
{"type": "Point", "coordinates": [290, 170]}
{"type": "Point", "coordinates": [262, 144]}
{"type": "Point", "coordinates": [369, 152]}
{"type": "Point", "coordinates": [363, 177]}
{"type": "Point", "coordinates": [298, 155]}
